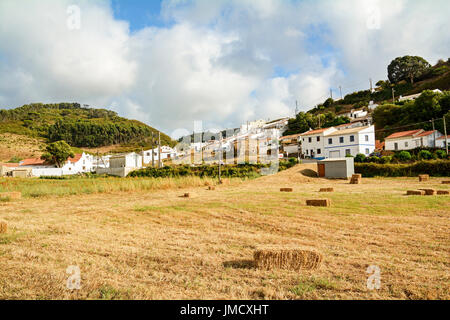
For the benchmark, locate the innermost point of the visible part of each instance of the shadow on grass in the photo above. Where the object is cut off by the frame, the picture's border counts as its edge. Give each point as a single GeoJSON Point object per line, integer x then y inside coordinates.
{"type": "Point", "coordinates": [239, 264]}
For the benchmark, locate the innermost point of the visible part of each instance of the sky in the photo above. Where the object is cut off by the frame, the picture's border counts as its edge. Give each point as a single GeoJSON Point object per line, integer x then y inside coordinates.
{"type": "Point", "coordinates": [173, 63]}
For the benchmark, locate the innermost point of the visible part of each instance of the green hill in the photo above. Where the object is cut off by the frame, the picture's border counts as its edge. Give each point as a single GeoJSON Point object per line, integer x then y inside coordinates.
{"type": "Point", "coordinates": [80, 127]}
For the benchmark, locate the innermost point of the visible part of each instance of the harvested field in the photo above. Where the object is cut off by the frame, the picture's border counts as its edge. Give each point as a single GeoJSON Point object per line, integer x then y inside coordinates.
{"type": "Point", "coordinates": [149, 243]}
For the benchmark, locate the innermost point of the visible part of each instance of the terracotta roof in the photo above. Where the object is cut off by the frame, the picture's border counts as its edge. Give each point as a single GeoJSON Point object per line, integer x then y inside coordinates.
{"type": "Point", "coordinates": [347, 131]}
{"type": "Point", "coordinates": [426, 133]}
{"type": "Point", "coordinates": [76, 158]}
{"type": "Point", "coordinates": [32, 162]}
{"type": "Point", "coordinates": [291, 136]}
{"type": "Point", "coordinates": [442, 138]}
{"type": "Point", "coordinates": [9, 165]}
{"type": "Point", "coordinates": [404, 134]}
{"type": "Point", "coordinates": [314, 132]}
{"type": "Point", "coordinates": [379, 145]}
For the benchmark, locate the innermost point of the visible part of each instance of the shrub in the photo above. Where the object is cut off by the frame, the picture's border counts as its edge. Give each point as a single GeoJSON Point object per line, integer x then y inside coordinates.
{"type": "Point", "coordinates": [349, 156]}
{"type": "Point", "coordinates": [360, 158]}
{"type": "Point", "coordinates": [425, 155]}
{"type": "Point", "coordinates": [373, 159]}
{"type": "Point", "coordinates": [435, 168]}
{"type": "Point", "coordinates": [441, 154]}
{"type": "Point", "coordinates": [403, 156]}
{"type": "Point", "coordinates": [385, 159]}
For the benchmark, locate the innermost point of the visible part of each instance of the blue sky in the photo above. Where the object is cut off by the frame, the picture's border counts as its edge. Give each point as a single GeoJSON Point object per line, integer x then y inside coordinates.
{"type": "Point", "coordinates": [139, 13]}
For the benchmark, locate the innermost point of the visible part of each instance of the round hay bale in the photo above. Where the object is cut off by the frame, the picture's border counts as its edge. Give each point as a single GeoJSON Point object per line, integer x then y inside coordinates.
{"type": "Point", "coordinates": [290, 259]}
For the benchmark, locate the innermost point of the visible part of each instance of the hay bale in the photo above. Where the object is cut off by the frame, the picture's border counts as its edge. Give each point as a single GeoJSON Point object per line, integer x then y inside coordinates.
{"type": "Point", "coordinates": [415, 193]}
{"type": "Point", "coordinates": [318, 202]}
{"type": "Point", "coordinates": [3, 227]}
{"type": "Point", "coordinates": [326, 190]}
{"type": "Point", "coordinates": [356, 179]}
{"type": "Point", "coordinates": [286, 190]}
{"type": "Point", "coordinates": [424, 177]}
{"type": "Point", "coordinates": [291, 259]}
{"type": "Point", "coordinates": [11, 195]}
{"type": "Point", "coordinates": [443, 192]}
{"type": "Point", "coordinates": [211, 188]}
{"type": "Point", "coordinates": [445, 182]}
{"type": "Point", "coordinates": [429, 192]}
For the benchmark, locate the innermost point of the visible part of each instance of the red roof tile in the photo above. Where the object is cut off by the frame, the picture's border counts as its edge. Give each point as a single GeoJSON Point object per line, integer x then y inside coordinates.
{"type": "Point", "coordinates": [9, 165]}
{"type": "Point", "coordinates": [426, 133]}
{"type": "Point", "coordinates": [32, 162]}
{"type": "Point", "coordinates": [76, 158]}
{"type": "Point", "coordinates": [314, 131]}
{"type": "Point", "coordinates": [404, 134]}
{"type": "Point", "coordinates": [379, 145]}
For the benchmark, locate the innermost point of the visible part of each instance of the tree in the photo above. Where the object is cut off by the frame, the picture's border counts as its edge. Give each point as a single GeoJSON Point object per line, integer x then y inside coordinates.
{"type": "Point", "coordinates": [407, 68]}
{"type": "Point", "coordinates": [58, 153]}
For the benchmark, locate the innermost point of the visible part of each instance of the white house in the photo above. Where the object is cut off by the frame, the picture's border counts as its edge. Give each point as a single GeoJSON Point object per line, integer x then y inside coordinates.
{"type": "Point", "coordinates": [339, 144]}
{"type": "Point", "coordinates": [408, 140]}
{"type": "Point", "coordinates": [333, 143]}
{"type": "Point", "coordinates": [81, 163]}
{"type": "Point", "coordinates": [441, 142]}
{"type": "Point", "coordinates": [122, 164]}
{"type": "Point", "coordinates": [166, 153]}
{"type": "Point", "coordinates": [415, 96]}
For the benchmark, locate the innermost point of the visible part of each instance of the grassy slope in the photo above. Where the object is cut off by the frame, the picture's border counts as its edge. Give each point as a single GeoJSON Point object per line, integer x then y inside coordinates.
{"type": "Point", "coordinates": [47, 116]}
{"type": "Point", "coordinates": [155, 245]}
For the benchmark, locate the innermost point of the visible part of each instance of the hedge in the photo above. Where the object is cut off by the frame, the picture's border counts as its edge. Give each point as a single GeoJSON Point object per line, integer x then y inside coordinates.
{"type": "Point", "coordinates": [245, 170]}
{"type": "Point", "coordinates": [436, 168]}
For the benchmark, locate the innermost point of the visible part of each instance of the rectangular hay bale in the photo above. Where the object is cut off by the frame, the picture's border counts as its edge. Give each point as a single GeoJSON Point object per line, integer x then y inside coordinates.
{"type": "Point", "coordinates": [326, 190]}
{"type": "Point", "coordinates": [318, 203]}
{"type": "Point", "coordinates": [429, 192]}
{"type": "Point", "coordinates": [291, 259]}
{"type": "Point", "coordinates": [445, 182]}
{"type": "Point", "coordinates": [286, 190]}
{"type": "Point", "coordinates": [424, 177]}
{"type": "Point", "coordinates": [443, 192]}
{"type": "Point", "coordinates": [415, 193]}
{"type": "Point", "coordinates": [11, 195]}
{"type": "Point", "coordinates": [3, 227]}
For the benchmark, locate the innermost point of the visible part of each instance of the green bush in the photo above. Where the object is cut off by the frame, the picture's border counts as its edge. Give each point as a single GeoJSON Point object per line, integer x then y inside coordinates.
{"type": "Point", "coordinates": [425, 155]}
{"type": "Point", "coordinates": [385, 159]}
{"type": "Point", "coordinates": [440, 154]}
{"type": "Point", "coordinates": [360, 158]}
{"type": "Point", "coordinates": [373, 159]}
{"type": "Point", "coordinates": [403, 156]}
{"type": "Point", "coordinates": [435, 168]}
{"type": "Point", "coordinates": [349, 156]}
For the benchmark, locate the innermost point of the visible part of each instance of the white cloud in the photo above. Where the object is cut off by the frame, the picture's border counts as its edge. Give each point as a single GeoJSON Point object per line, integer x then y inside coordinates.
{"type": "Point", "coordinates": [222, 61]}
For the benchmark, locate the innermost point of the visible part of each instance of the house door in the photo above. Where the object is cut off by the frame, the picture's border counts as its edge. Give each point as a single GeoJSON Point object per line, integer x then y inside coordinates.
{"type": "Point", "coordinates": [335, 154]}
{"type": "Point", "coordinates": [321, 169]}
{"type": "Point", "coordinates": [396, 146]}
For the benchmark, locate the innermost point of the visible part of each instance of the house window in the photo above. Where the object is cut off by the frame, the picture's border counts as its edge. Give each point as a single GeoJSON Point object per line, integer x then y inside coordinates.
{"type": "Point", "coordinates": [319, 151]}
{"type": "Point", "coordinates": [330, 141]}
{"type": "Point", "coordinates": [309, 140]}
{"type": "Point", "coordinates": [341, 139]}
{"type": "Point", "coordinates": [84, 168]}
{"type": "Point", "coordinates": [348, 152]}
{"type": "Point", "coordinates": [395, 146]}
{"type": "Point", "coordinates": [367, 137]}
{"type": "Point", "coordinates": [406, 144]}
{"type": "Point", "coordinates": [148, 154]}
{"type": "Point", "coordinates": [352, 138]}
{"type": "Point", "coordinates": [306, 151]}
{"type": "Point", "coordinates": [367, 151]}
{"type": "Point", "coordinates": [318, 139]}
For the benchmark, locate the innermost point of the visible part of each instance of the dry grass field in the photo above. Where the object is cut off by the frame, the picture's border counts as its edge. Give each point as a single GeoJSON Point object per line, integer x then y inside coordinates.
{"type": "Point", "coordinates": [20, 146]}
{"type": "Point", "coordinates": [153, 244]}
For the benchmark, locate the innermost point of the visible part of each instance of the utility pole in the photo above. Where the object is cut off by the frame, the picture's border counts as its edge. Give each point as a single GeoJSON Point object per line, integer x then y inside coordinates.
{"type": "Point", "coordinates": [331, 93]}
{"type": "Point", "coordinates": [340, 90]}
{"type": "Point", "coordinates": [434, 135]}
{"type": "Point", "coordinates": [220, 157]}
{"type": "Point", "coordinates": [153, 150]}
{"type": "Point", "coordinates": [393, 95]}
{"type": "Point", "coordinates": [445, 132]}
{"type": "Point", "coordinates": [159, 149]}
{"type": "Point", "coordinates": [371, 87]}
